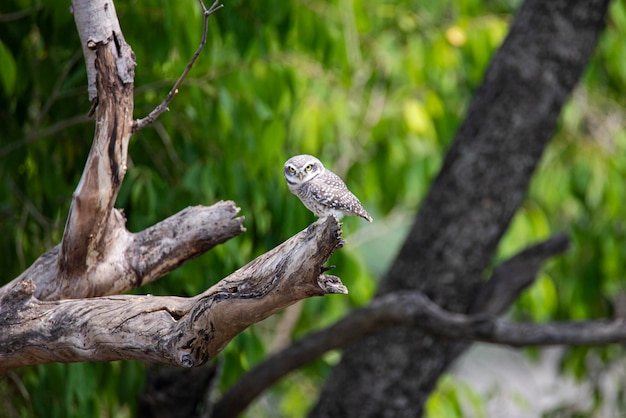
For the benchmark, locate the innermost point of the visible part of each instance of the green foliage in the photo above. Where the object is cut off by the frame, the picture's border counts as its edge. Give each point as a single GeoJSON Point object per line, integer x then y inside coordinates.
{"type": "Point", "coordinates": [454, 399]}
{"type": "Point", "coordinates": [376, 89]}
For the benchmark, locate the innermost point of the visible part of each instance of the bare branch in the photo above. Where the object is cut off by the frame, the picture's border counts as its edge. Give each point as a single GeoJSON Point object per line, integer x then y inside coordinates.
{"type": "Point", "coordinates": [509, 280]}
{"type": "Point", "coordinates": [110, 65]}
{"type": "Point", "coordinates": [410, 309]}
{"type": "Point", "coordinates": [413, 310]}
{"type": "Point", "coordinates": [180, 238]}
{"type": "Point", "coordinates": [57, 310]}
{"type": "Point", "coordinates": [132, 260]}
{"type": "Point", "coordinates": [514, 275]}
{"type": "Point", "coordinates": [162, 107]}
{"type": "Point", "coordinates": [97, 24]}
{"type": "Point", "coordinates": [171, 330]}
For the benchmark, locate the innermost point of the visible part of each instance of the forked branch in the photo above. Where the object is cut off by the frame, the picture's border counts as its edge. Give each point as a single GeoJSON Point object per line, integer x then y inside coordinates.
{"type": "Point", "coordinates": [133, 260]}
{"type": "Point", "coordinates": [170, 330]}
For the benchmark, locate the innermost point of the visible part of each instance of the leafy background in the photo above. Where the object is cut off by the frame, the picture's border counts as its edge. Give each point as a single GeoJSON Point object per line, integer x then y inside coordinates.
{"type": "Point", "coordinates": [376, 89]}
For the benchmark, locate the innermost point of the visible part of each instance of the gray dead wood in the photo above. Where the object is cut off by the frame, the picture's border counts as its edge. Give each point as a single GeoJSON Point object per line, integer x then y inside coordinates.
{"type": "Point", "coordinates": [63, 308]}
{"type": "Point", "coordinates": [178, 331]}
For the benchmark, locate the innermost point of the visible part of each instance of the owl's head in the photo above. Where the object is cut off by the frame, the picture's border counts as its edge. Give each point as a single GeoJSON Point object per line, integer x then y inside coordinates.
{"type": "Point", "coordinates": [301, 169]}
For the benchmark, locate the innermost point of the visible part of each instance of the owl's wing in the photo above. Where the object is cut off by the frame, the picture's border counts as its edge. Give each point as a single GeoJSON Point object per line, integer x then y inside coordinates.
{"type": "Point", "coordinates": [329, 190]}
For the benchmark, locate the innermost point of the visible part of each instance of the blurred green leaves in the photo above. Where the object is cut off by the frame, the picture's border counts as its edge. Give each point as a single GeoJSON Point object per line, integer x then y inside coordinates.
{"type": "Point", "coordinates": [454, 399]}
{"type": "Point", "coordinates": [8, 76]}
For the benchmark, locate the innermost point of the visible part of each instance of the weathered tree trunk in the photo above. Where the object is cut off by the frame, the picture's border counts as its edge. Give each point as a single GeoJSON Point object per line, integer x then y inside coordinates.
{"type": "Point", "coordinates": [59, 309]}
{"type": "Point", "coordinates": [481, 185]}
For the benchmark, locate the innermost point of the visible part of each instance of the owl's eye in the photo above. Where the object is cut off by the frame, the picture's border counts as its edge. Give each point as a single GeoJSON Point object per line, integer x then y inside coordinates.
{"type": "Point", "coordinates": [308, 167]}
{"type": "Point", "coordinates": [292, 170]}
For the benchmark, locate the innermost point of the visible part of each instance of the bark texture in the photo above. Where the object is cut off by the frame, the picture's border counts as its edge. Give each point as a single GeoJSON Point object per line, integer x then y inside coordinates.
{"type": "Point", "coordinates": [63, 308]}
{"type": "Point", "coordinates": [97, 24]}
{"type": "Point", "coordinates": [481, 184]}
{"type": "Point", "coordinates": [178, 331]}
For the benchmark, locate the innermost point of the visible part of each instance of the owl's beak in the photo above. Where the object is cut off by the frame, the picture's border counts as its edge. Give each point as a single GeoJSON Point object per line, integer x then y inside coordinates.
{"type": "Point", "coordinates": [300, 176]}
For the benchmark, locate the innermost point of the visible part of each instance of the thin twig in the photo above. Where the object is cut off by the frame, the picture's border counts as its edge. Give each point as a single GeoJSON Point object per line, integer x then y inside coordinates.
{"type": "Point", "coordinates": [162, 107]}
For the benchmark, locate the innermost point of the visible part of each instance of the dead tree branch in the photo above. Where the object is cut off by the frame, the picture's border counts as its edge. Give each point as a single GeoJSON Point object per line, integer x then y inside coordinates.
{"type": "Point", "coordinates": [92, 222]}
{"type": "Point", "coordinates": [177, 331]}
{"type": "Point", "coordinates": [97, 24]}
{"type": "Point", "coordinates": [58, 309]}
{"type": "Point", "coordinates": [133, 260]}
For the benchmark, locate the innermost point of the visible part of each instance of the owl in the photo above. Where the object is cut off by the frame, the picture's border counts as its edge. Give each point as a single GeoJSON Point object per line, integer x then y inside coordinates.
{"type": "Point", "coordinates": [321, 190]}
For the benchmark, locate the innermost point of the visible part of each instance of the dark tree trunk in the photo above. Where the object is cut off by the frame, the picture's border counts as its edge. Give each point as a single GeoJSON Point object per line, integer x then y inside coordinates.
{"type": "Point", "coordinates": [481, 185]}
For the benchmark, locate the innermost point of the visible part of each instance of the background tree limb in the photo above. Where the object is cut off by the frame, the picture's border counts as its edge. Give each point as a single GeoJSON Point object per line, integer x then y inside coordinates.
{"type": "Point", "coordinates": [480, 186]}
{"type": "Point", "coordinates": [412, 309]}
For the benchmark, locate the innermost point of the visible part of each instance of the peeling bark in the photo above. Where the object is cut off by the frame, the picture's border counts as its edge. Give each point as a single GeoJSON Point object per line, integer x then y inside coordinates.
{"type": "Point", "coordinates": [133, 260]}
{"type": "Point", "coordinates": [97, 24]}
{"type": "Point", "coordinates": [172, 330]}
{"type": "Point", "coordinates": [63, 308]}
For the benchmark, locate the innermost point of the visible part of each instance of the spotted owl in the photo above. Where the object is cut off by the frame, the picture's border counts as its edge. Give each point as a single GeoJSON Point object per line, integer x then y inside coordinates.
{"type": "Point", "coordinates": [321, 190]}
